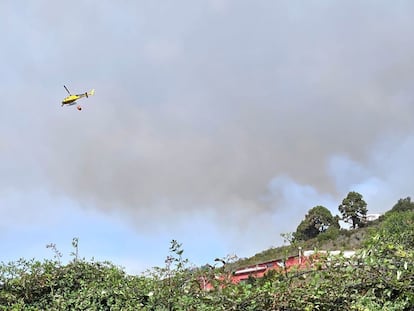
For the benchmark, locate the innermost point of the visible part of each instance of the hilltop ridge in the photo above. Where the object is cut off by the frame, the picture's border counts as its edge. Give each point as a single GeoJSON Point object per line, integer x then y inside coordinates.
{"type": "Point", "coordinates": [343, 240]}
{"type": "Point", "coordinates": [333, 238]}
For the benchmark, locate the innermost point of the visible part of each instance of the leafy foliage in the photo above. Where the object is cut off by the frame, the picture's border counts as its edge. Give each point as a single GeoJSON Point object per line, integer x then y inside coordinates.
{"type": "Point", "coordinates": [403, 205]}
{"type": "Point", "coordinates": [353, 209]}
{"type": "Point", "coordinates": [379, 277]}
{"type": "Point", "coordinates": [317, 220]}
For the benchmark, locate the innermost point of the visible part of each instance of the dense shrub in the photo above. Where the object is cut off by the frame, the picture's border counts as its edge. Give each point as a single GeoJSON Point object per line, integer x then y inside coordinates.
{"type": "Point", "coordinates": [379, 277]}
{"type": "Point", "coordinates": [79, 285]}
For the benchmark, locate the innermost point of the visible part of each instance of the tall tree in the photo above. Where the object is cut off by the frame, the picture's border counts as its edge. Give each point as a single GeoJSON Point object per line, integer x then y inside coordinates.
{"type": "Point", "coordinates": [353, 209]}
{"type": "Point", "coordinates": [317, 220]}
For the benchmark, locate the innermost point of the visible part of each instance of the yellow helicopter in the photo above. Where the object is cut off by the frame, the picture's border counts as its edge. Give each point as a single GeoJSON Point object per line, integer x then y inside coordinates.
{"type": "Point", "coordinates": [71, 99]}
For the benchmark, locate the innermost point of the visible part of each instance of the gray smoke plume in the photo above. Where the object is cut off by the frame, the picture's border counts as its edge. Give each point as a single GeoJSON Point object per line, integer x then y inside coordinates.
{"type": "Point", "coordinates": [248, 114]}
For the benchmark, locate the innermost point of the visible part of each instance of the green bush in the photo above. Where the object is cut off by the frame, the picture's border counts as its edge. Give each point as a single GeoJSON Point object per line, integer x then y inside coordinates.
{"type": "Point", "coordinates": [329, 235]}
{"type": "Point", "coordinates": [379, 277]}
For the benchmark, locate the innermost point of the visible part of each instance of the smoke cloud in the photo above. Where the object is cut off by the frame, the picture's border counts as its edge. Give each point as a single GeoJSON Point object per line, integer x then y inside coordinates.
{"type": "Point", "coordinates": [245, 114]}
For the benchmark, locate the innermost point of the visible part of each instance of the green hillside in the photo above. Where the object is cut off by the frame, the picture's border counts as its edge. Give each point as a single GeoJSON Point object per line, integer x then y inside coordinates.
{"type": "Point", "coordinates": [343, 240]}
{"type": "Point", "coordinates": [331, 239]}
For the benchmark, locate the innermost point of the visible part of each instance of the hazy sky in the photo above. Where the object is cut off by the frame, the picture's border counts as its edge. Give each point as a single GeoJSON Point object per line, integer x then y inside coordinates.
{"type": "Point", "coordinates": [218, 123]}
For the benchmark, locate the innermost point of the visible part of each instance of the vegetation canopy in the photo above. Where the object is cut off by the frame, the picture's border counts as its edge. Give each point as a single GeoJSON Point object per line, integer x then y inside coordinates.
{"type": "Point", "coordinates": [379, 277]}
{"type": "Point", "coordinates": [317, 220]}
{"type": "Point", "coordinates": [353, 209]}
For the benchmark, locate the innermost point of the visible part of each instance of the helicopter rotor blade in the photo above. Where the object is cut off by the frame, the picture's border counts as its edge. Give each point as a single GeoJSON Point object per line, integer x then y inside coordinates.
{"type": "Point", "coordinates": [66, 89]}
